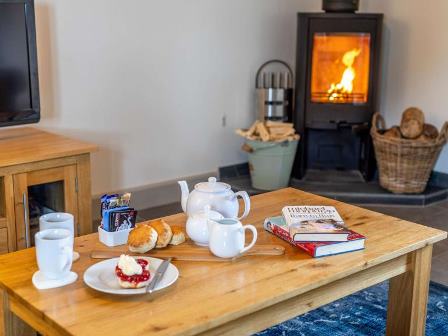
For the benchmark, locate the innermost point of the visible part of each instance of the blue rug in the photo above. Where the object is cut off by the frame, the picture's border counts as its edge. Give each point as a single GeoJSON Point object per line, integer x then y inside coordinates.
{"type": "Point", "coordinates": [362, 313]}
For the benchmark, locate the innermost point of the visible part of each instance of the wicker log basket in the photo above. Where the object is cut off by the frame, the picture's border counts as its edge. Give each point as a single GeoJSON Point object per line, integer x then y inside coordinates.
{"type": "Point", "coordinates": [405, 165]}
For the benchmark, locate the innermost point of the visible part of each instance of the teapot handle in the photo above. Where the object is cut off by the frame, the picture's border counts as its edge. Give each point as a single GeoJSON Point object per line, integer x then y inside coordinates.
{"type": "Point", "coordinates": [254, 238]}
{"type": "Point", "coordinates": [245, 196]}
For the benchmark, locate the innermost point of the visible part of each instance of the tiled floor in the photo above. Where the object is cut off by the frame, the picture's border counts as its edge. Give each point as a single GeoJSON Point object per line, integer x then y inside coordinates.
{"type": "Point", "coordinates": [435, 215]}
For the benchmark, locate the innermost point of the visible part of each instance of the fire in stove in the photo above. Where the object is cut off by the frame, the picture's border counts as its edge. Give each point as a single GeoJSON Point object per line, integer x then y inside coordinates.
{"type": "Point", "coordinates": [342, 90]}
{"type": "Point", "coordinates": [340, 68]}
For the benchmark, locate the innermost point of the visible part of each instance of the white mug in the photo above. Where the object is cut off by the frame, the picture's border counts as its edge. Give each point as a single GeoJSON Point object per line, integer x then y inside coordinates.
{"type": "Point", "coordinates": [57, 220]}
{"type": "Point", "coordinates": [227, 237]}
{"type": "Point", "coordinates": [54, 252]}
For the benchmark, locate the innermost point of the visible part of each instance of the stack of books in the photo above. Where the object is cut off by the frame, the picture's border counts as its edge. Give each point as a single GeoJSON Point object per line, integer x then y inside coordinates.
{"type": "Point", "coordinates": [318, 230]}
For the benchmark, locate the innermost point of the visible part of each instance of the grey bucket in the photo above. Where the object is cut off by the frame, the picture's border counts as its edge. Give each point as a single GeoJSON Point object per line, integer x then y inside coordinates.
{"type": "Point", "coordinates": [270, 163]}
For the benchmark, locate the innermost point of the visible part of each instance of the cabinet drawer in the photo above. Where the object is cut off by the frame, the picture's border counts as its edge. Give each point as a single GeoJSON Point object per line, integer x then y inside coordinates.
{"type": "Point", "coordinates": [3, 240]}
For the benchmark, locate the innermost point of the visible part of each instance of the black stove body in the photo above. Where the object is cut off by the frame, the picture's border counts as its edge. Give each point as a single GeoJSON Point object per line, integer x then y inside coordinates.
{"type": "Point", "coordinates": [337, 77]}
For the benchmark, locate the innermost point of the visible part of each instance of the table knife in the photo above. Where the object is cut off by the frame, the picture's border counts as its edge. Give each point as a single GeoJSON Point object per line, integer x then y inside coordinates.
{"type": "Point", "coordinates": [160, 271]}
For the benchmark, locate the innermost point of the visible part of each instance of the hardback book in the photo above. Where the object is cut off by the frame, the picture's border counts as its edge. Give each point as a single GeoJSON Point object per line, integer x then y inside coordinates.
{"type": "Point", "coordinates": [315, 223]}
{"type": "Point", "coordinates": [277, 226]}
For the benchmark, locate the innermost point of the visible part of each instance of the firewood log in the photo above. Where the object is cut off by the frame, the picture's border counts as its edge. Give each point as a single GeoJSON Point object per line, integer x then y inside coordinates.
{"type": "Point", "coordinates": [393, 133]}
{"type": "Point", "coordinates": [278, 124]}
{"type": "Point", "coordinates": [279, 137]}
{"type": "Point", "coordinates": [281, 131]}
{"type": "Point", "coordinates": [412, 123]}
{"type": "Point", "coordinates": [252, 129]}
{"type": "Point", "coordinates": [424, 138]}
{"type": "Point", "coordinates": [247, 148]}
{"type": "Point", "coordinates": [430, 131]}
{"type": "Point", "coordinates": [241, 132]}
{"type": "Point", "coordinates": [269, 131]}
{"type": "Point", "coordinates": [263, 132]}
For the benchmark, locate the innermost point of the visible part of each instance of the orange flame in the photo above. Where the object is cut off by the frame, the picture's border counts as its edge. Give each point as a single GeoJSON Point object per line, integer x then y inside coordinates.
{"type": "Point", "coordinates": [340, 90]}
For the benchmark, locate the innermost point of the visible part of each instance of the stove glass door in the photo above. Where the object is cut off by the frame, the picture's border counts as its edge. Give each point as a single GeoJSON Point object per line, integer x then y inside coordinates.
{"type": "Point", "coordinates": [340, 68]}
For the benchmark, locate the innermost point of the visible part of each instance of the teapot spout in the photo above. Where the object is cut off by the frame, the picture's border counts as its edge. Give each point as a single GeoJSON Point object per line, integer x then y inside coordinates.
{"type": "Point", "coordinates": [184, 196]}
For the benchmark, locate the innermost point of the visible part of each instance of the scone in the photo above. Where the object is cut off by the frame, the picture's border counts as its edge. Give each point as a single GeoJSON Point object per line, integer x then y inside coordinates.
{"type": "Point", "coordinates": [178, 236]}
{"type": "Point", "coordinates": [132, 273]}
{"type": "Point", "coordinates": [142, 239]}
{"type": "Point", "coordinates": [142, 224]}
{"type": "Point", "coordinates": [164, 233]}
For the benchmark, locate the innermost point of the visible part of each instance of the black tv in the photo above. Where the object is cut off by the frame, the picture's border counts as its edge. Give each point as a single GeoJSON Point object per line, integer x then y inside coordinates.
{"type": "Point", "coordinates": [19, 83]}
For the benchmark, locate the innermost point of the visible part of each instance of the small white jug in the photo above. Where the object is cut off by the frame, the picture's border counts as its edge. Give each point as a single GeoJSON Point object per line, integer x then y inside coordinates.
{"type": "Point", "coordinates": [227, 237]}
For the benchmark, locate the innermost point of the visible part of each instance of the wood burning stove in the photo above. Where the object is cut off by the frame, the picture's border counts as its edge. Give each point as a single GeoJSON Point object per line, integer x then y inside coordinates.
{"type": "Point", "coordinates": [337, 74]}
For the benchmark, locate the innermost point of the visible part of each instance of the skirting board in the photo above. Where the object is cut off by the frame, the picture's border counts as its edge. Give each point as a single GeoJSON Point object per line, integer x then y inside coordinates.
{"type": "Point", "coordinates": [153, 195]}
{"type": "Point", "coordinates": [439, 179]}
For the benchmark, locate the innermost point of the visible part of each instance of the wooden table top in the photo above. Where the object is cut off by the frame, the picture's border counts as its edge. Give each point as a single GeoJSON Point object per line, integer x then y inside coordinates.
{"type": "Point", "coordinates": [208, 294]}
{"type": "Point", "coordinates": [28, 144]}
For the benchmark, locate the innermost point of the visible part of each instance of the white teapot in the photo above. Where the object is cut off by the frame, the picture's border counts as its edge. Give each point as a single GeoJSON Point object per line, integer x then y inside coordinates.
{"type": "Point", "coordinates": [216, 194]}
{"type": "Point", "coordinates": [197, 225]}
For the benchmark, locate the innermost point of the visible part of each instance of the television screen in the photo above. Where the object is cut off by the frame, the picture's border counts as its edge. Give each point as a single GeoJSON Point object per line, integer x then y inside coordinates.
{"type": "Point", "coordinates": [19, 86]}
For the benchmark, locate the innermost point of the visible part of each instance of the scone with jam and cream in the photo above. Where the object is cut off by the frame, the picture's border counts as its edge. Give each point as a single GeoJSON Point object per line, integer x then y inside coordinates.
{"type": "Point", "coordinates": [131, 272]}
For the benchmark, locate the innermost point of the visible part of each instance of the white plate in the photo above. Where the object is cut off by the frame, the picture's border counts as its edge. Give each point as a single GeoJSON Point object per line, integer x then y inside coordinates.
{"type": "Point", "coordinates": [101, 277]}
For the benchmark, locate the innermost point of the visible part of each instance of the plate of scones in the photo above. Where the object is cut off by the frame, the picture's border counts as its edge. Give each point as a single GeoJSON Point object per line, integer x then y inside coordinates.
{"type": "Point", "coordinates": [128, 275]}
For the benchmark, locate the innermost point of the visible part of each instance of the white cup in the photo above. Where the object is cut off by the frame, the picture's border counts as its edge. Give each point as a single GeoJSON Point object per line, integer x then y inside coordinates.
{"type": "Point", "coordinates": [227, 237]}
{"type": "Point", "coordinates": [54, 252]}
{"type": "Point", "coordinates": [57, 220]}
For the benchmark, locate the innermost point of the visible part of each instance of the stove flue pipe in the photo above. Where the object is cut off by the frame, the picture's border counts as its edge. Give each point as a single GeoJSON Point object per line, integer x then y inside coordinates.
{"type": "Point", "coordinates": [340, 6]}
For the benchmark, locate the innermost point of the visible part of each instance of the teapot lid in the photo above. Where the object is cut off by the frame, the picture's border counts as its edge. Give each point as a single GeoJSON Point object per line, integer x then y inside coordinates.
{"type": "Point", "coordinates": [212, 186]}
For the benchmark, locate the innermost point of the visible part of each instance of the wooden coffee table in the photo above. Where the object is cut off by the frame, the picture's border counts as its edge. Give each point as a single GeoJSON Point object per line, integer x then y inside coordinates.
{"type": "Point", "coordinates": [241, 297]}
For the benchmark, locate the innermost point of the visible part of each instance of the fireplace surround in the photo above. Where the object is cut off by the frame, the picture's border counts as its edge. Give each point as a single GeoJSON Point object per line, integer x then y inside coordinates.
{"type": "Point", "coordinates": [337, 74]}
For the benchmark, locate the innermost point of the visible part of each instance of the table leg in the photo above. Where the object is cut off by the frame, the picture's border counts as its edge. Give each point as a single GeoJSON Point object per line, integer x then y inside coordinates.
{"type": "Point", "coordinates": [408, 296]}
{"type": "Point", "coordinates": [84, 195]}
{"type": "Point", "coordinates": [10, 324]}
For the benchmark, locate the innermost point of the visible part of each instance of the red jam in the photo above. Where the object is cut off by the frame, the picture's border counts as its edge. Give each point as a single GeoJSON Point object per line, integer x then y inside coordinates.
{"type": "Point", "coordinates": [136, 278]}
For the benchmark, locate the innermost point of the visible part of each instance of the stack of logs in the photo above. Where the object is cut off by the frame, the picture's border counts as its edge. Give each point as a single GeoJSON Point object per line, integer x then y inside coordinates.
{"type": "Point", "coordinates": [413, 127]}
{"type": "Point", "coordinates": [269, 131]}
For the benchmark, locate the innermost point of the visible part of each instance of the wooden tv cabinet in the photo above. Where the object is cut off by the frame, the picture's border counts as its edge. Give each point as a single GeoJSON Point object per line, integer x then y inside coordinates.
{"type": "Point", "coordinates": [53, 169]}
